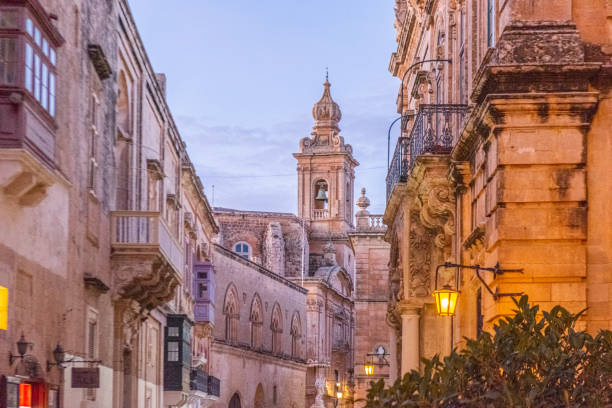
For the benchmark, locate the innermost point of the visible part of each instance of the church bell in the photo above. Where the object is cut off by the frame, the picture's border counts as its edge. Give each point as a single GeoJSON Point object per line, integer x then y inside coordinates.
{"type": "Point", "coordinates": [321, 195]}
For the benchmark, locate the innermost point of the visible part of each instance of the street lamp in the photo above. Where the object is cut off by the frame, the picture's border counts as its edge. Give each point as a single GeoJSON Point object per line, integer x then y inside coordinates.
{"type": "Point", "coordinates": [22, 348]}
{"type": "Point", "coordinates": [338, 394]}
{"type": "Point", "coordinates": [381, 353]}
{"type": "Point", "coordinates": [446, 298]}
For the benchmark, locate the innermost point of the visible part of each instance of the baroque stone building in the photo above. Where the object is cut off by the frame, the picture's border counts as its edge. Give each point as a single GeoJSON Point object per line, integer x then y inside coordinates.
{"type": "Point", "coordinates": [502, 160]}
{"type": "Point", "coordinates": [104, 220]}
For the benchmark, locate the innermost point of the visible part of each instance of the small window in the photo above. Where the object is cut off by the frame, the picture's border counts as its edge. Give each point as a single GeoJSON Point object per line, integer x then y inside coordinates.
{"type": "Point", "coordinates": [243, 249]}
{"type": "Point", "coordinates": [173, 331]}
{"type": "Point", "coordinates": [173, 351]}
{"type": "Point", "coordinates": [202, 275]}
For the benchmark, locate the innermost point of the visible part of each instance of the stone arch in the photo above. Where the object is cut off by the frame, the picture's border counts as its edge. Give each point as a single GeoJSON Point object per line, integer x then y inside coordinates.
{"type": "Point", "coordinates": [235, 401]}
{"type": "Point", "coordinates": [259, 397]}
{"type": "Point", "coordinates": [276, 325]}
{"type": "Point", "coordinates": [256, 320]}
{"type": "Point", "coordinates": [296, 334]}
{"type": "Point", "coordinates": [231, 310]}
{"type": "Point", "coordinates": [318, 184]}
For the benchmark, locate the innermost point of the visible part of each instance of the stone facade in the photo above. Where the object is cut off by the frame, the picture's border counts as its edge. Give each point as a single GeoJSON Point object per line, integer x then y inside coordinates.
{"type": "Point", "coordinates": [107, 215]}
{"type": "Point", "coordinates": [373, 342]}
{"type": "Point", "coordinates": [501, 161]}
{"type": "Point", "coordinates": [259, 335]}
{"type": "Point", "coordinates": [276, 240]}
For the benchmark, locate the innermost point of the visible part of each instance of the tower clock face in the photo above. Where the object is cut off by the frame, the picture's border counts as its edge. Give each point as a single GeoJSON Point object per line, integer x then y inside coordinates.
{"type": "Point", "coordinates": [380, 350]}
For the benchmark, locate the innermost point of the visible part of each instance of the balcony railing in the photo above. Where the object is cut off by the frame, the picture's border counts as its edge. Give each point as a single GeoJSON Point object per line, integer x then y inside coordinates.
{"type": "Point", "coordinates": [435, 131]}
{"type": "Point", "coordinates": [214, 386]}
{"type": "Point", "coordinates": [198, 381]}
{"type": "Point", "coordinates": [137, 229]}
{"type": "Point", "coordinates": [320, 214]}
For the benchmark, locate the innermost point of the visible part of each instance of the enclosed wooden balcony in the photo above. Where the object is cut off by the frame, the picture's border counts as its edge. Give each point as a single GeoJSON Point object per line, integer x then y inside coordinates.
{"type": "Point", "coordinates": [146, 257]}
{"type": "Point", "coordinates": [435, 131]}
{"type": "Point", "coordinates": [28, 57]}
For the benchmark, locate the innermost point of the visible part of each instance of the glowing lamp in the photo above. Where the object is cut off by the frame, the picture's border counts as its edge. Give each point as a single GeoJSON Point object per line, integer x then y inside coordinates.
{"type": "Point", "coordinates": [3, 308]}
{"type": "Point", "coordinates": [369, 369]}
{"type": "Point", "coordinates": [339, 394]}
{"type": "Point", "coordinates": [446, 300]}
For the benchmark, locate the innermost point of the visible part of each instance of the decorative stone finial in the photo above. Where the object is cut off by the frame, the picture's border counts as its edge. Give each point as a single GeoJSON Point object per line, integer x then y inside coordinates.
{"type": "Point", "coordinates": [363, 202]}
{"type": "Point", "coordinates": [326, 109]}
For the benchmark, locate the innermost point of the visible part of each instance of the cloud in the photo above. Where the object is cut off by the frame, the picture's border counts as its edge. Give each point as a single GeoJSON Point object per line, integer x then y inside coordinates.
{"type": "Point", "coordinates": [253, 167]}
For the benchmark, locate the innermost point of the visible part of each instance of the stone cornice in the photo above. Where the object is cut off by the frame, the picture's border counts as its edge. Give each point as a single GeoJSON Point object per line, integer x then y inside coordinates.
{"type": "Point", "coordinates": [576, 107]}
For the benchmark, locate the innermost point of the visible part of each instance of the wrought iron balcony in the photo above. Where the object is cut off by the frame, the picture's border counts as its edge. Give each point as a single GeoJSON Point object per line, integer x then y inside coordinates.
{"type": "Point", "coordinates": [214, 386]}
{"type": "Point", "coordinates": [146, 259]}
{"type": "Point", "coordinates": [198, 381]}
{"type": "Point", "coordinates": [435, 131]}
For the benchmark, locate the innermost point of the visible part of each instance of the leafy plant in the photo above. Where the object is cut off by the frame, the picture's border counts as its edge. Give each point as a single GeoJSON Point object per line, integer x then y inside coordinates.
{"type": "Point", "coordinates": [529, 361]}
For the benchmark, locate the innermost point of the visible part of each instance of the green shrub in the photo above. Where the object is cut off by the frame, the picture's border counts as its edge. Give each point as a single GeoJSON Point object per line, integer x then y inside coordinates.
{"type": "Point", "coordinates": [529, 361]}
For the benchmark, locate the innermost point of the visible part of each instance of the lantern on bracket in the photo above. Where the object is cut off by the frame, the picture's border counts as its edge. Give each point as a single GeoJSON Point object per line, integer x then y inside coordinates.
{"type": "Point", "coordinates": [446, 298]}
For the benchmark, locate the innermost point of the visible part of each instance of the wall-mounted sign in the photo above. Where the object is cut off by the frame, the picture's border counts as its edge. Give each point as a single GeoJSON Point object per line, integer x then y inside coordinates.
{"type": "Point", "coordinates": [3, 307]}
{"type": "Point", "coordinates": [85, 377]}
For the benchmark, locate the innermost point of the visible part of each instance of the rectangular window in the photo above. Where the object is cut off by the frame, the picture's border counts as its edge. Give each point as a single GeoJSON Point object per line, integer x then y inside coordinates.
{"type": "Point", "coordinates": [37, 69]}
{"type": "Point", "coordinates": [44, 97]}
{"type": "Point", "coordinates": [490, 23]}
{"type": "Point", "coordinates": [173, 331]}
{"type": "Point", "coordinates": [173, 351]}
{"type": "Point", "coordinates": [29, 67]}
{"type": "Point", "coordinates": [8, 61]}
{"type": "Point", "coordinates": [52, 94]}
{"type": "Point", "coordinates": [202, 275]}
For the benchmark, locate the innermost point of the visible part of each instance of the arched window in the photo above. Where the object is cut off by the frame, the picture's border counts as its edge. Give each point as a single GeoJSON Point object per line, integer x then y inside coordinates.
{"type": "Point", "coordinates": [123, 106]}
{"type": "Point", "coordinates": [321, 195]}
{"type": "Point", "coordinates": [243, 249]}
{"type": "Point", "coordinates": [231, 310]}
{"type": "Point", "coordinates": [256, 323]}
{"type": "Point", "coordinates": [296, 335]}
{"type": "Point", "coordinates": [277, 329]}
{"type": "Point", "coordinates": [259, 397]}
{"type": "Point", "coordinates": [235, 401]}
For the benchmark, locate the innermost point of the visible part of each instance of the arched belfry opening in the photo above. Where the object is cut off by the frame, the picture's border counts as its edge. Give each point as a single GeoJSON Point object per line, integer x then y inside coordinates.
{"type": "Point", "coordinates": [321, 199]}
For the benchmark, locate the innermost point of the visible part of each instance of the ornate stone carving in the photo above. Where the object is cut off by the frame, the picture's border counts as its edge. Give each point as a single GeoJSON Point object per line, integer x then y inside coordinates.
{"type": "Point", "coordinates": [320, 387]}
{"type": "Point", "coordinates": [438, 210]}
{"type": "Point", "coordinates": [539, 42]}
{"type": "Point", "coordinates": [420, 257]}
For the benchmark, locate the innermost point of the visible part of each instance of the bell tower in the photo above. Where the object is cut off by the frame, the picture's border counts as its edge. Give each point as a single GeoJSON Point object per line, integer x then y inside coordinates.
{"type": "Point", "coordinates": [326, 172]}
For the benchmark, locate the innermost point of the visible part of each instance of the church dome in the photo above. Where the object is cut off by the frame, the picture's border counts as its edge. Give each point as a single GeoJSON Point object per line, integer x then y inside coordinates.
{"type": "Point", "coordinates": [326, 109]}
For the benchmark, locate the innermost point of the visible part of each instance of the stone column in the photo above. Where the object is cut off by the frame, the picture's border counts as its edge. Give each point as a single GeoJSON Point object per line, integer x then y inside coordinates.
{"type": "Point", "coordinates": [393, 356]}
{"type": "Point", "coordinates": [410, 339]}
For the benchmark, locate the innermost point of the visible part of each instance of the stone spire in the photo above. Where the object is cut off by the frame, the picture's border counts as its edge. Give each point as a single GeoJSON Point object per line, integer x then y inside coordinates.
{"type": "Point", "coordinates": [325, 132]}
{"type": "Point", "coordinates": [326, 112]}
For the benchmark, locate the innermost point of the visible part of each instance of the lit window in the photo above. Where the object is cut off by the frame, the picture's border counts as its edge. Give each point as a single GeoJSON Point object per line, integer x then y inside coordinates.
{"type": "Point", "coordinates": [243, 249]}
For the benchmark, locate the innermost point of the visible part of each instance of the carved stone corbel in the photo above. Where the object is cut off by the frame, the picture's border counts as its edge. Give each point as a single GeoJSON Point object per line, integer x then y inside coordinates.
{"type": "Point", "coordinates": [459, 176]}
{"type": "Point", "coordinates": [438, 210]}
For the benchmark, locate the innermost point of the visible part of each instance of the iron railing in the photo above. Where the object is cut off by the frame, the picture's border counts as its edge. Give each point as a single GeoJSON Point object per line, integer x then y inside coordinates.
{"type": "Point", "coordinates": [435, 131]}
{"type": "Point", "coordinates": [198, 380]}
{"type": "Point", "coordinates": [214, 386]}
